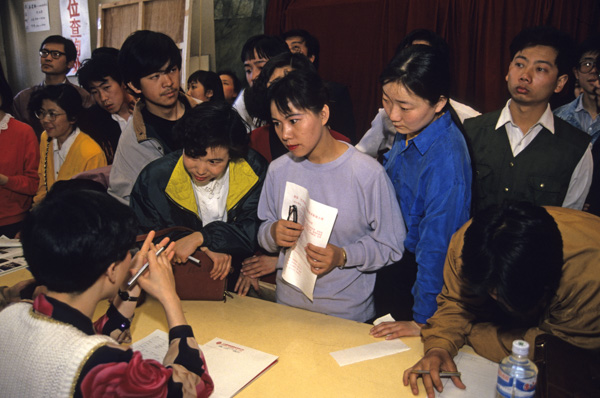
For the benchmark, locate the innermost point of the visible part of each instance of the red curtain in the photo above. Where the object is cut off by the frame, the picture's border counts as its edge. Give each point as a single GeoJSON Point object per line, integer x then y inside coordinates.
{"type": "Point", "coordinates": [358, 38]}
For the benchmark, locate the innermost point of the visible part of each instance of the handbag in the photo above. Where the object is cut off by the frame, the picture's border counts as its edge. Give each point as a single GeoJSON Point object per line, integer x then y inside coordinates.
{"type": "Point", "coordinates": [192, 280]}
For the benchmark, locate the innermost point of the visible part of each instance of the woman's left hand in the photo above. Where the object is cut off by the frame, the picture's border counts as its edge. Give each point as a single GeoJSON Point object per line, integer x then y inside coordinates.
{"type": "Point", "coordinates": [394, 330]}
{"type": "Point", "coordinates": [221, 263]}
{"type": "Point", "coordinates": [323, 259]}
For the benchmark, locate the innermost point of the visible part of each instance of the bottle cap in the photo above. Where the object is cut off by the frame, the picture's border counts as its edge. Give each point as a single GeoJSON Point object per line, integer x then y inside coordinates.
{"type": "Point", "coordinates": [520, 347]}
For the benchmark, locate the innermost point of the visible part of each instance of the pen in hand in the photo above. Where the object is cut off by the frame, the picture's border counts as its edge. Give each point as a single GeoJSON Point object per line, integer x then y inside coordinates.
{"type": "Point", "coordinates": [134, 278]}
{"type": "Point", "coordinates": [442, 373]}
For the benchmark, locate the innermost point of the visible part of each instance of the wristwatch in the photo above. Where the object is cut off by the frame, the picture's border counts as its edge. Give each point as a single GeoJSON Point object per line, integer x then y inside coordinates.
{"type": "Point", "coordinates": [345, 259]}
{"type": "Point", "coordinates": [126, 297]}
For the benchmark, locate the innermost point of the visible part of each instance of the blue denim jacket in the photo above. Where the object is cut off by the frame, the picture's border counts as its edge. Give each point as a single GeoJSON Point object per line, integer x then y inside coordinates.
{"type": "Point", "coordinates": [432, 177]}
{"type": "Point", "coordinates": [574, 114]}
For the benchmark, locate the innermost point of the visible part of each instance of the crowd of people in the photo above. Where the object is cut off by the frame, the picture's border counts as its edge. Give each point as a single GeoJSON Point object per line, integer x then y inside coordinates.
{"type": "Point", "coordinates": [467, 228]}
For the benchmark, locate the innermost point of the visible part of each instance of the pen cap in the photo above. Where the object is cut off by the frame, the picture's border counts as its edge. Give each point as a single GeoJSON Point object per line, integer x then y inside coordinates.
{"type": "Point", "coordinates": [520, 347]}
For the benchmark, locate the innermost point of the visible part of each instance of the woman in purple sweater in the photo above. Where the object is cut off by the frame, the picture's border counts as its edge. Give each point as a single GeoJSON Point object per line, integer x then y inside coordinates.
{"type": "Point", "coordinates": [368, 232]}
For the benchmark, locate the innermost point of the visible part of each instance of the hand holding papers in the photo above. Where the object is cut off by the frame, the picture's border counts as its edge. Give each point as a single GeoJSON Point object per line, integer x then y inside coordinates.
{"type": "Point", "coordinates": [317, 220]}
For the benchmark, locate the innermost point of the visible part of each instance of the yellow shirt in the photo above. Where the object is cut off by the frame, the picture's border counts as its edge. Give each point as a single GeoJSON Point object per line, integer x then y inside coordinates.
{"type": "Point", "coordinates": [85, 154]}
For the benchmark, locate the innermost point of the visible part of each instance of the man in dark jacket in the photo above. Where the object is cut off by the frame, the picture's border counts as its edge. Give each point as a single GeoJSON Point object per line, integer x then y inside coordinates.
{"type": "Point", "coordinates": [212, 187]}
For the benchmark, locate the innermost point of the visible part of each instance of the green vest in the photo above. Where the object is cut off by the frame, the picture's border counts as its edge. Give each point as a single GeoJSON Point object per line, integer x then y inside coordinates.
{"type": "Point", "coordinates": [540, 174]}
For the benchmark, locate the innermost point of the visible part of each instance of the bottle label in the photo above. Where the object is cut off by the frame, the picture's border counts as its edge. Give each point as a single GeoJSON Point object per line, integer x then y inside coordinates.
{"type": "Point", "coordinates": [509, 387]}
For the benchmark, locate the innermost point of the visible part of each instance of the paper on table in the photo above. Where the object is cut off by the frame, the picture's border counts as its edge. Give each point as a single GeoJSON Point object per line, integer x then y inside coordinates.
{"type": "Point", "coordinates": [369, 351]}
{"type": "Point", "coordinates": [153, 346]}
{"type": "Point", "coordinates": [317, 219]}
{"type": "Point", "coordinates": [7, 242]}
{"type": "Point", "coordinates": [385, 318]}
{"type": "Point", "coordinates": [233, 366]}
{"type": "Point", "coordinates": [477, 373]}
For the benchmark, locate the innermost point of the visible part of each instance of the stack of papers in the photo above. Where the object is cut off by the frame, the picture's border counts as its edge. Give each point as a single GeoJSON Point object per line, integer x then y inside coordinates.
{"type": "Point", "coordinates": [11, 255]}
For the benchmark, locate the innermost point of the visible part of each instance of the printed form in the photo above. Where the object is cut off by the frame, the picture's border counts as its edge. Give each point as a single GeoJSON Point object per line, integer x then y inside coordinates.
{"type": "Point", "coordinates": [318, 220]}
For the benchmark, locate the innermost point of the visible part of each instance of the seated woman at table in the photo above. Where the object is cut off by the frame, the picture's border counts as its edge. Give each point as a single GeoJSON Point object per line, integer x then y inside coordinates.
{"type": "Point", "coordinates": [430, 168]}
{"type": "Point", "coordinates": [212, 186]}
{"type": "Point", "coordinates": [64, 149]}
{"type": "Point", "coordinates": [368, 232]}
{"type": "Point", "coordinates": [77, 244]}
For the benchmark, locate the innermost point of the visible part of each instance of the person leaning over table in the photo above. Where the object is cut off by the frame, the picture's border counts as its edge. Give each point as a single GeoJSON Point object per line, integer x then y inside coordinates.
{"type": "Point", "coordinates": [51, 348]}
{"type": "Point", "coordinates": [65, 150]}
{"type": "Point", "coordinates": [211, 187]}
{"type": "Point", "coordinates": [514, 272]}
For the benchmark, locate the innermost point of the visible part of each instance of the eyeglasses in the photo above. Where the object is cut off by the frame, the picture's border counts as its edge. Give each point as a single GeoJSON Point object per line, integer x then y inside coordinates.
{"type": "Point", "coordinates": [40, 114]}
{"type": "Point", "coordinates": [55, 54]}
{"type": "Point", "coordinates": [586, 66]}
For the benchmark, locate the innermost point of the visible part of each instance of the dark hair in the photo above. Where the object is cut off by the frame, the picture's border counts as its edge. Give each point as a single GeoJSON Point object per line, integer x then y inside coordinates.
{"type": "Point", "coordinates": [515, 250]}
{"type": "Point", "coordinates": [421, 69]}
{"type": "Point", "coordinates": [209, 125]}
{"type": "Point", "coordinates": [210, 81]}
{"type": "Point", "coordinates": [550, 37]}
{"type": "Point", "coordinates": [237, 85]}
{"type": "Point", "coordinates": [145, 52]}
{"type": "Point", "coordinates": [589, 45]}
{"type": "Point", "coordinates": [97, 69]}
{"type": "Point", "coordinates": [71, 238]}
{"type": "Point", "coordinates": [6, 94]}
{"type": "Point", "coordinates": [105, 51]}
{"type": "Point", "coordinates": [434, 40]}
{"type": "Point", "coordinates": [265, 47]}
{"type": "Point", "coordinates": [301, 88]}
{"type": "Point", "coordinates": [70, 49]}
{"type": "Point", "coordinates": [65, 95]}
{"type": "Point", "coordinates": [311, 43]}
{"type": "Point", "coordinates": [255, 97]}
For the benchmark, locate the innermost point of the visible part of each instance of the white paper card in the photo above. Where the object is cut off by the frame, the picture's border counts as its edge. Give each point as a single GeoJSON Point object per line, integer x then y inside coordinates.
{"type": "Point", "coordinates": [318, 220]}
{"type": "Point", "coordinates": [477, 373]}
{"type": "Point", "coordinates": [369, 351]}
{"type": "Point", "coordinates": [233, 366]}
{"type": "Point", "coordinates": [154, 346]}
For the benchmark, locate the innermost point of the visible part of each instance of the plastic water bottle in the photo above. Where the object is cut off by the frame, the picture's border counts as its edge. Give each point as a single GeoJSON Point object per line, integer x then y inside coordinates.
{"type": "Point", "coordinates": [517, 375]}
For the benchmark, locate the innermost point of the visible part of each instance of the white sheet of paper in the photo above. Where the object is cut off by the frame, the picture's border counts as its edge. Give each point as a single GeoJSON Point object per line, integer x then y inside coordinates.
{"type": "Point", "coordinates": [477, 373]}
{"type": "Point", "coordinates": [385, 318]}
{"type": "Point", "coordinates": [7, 242]}
{"type": "Point", "coordinates": [233, 366]}
{"type": "Point", "coordinates": [318, 220]}
{"type": "Point", "coordinates": [154, 346]}
{"type": "Point", "coordinates": [369, 351]}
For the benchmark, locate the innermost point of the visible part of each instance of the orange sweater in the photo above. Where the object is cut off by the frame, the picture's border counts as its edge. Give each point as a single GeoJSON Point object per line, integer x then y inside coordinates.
{"type": "Point", "coordinates": [85, 154]}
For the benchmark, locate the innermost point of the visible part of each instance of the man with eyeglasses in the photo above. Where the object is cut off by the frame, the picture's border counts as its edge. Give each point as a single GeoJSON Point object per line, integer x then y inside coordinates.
{"type": "Point", "coordinates": [57, 57]}
{"type": "Point", "coordinates": [582, 112]}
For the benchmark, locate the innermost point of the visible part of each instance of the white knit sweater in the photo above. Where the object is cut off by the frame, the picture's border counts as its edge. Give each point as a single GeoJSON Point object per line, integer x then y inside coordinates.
{"type": "Point", "coordinates": [40, 356]}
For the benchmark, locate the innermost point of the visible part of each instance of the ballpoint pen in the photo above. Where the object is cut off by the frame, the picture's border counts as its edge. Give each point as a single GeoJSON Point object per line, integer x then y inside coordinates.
{"type": "Point", "coordinates": [134, 278]}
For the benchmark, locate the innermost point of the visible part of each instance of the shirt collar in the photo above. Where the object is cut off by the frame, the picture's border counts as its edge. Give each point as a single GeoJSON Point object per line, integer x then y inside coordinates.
{"type": "Point", "coordinates": [427, 137]}
{"type": "Point", "coordinates": [66, 146]}
{"type": "Point", "coordinates": [579, 104]}
{"type": "Point", "coordinates": [547, 119]}
{"type": "Point", "coordinates": [62, 312]}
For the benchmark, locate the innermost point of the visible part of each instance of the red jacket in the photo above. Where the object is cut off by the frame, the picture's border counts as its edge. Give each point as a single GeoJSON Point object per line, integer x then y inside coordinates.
{"type": "Point", "coordinates": [19, 160]}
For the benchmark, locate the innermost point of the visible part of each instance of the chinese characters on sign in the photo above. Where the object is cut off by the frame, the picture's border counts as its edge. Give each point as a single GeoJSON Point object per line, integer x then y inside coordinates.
{"type": "Point", "coordinates": [36, 16]}
{"type": "Point", "coordinates": [74, 16]}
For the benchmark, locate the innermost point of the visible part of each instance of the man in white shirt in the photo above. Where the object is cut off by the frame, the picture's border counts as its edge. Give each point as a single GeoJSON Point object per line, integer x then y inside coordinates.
{"type": "Point", "coordinates": [523, 152]}
{"type": "Point", "coordinates": [105, 121]}
{"type": "Point", "coordinates": [256, 52]}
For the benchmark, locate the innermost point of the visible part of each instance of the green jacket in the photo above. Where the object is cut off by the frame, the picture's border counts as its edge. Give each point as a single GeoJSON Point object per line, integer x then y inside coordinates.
{"type": "Point", "coordinates": [163, 197]}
